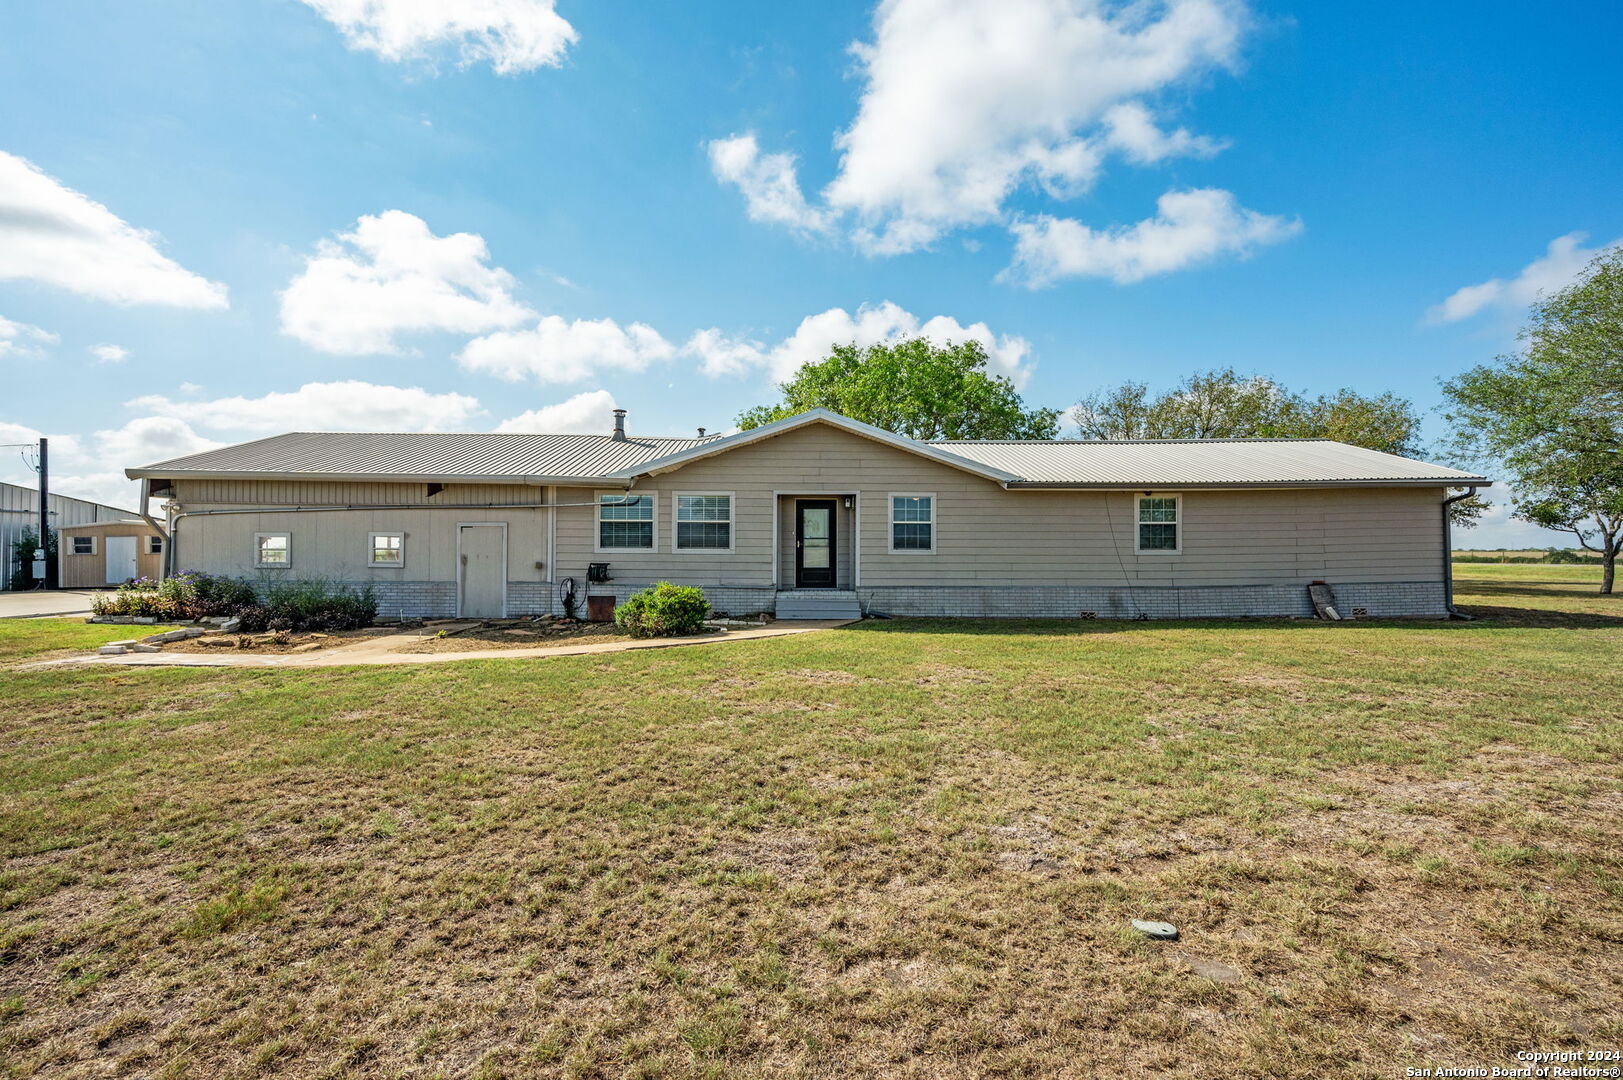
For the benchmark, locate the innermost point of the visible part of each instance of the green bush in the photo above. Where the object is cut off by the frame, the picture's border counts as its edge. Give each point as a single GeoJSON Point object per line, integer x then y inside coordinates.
{"type": "Point", "coordinates": [301, 604]}
{"type": "Point", "coordinates": [662, 610]}
{"type": "Point", "coordinates": [311, 604]}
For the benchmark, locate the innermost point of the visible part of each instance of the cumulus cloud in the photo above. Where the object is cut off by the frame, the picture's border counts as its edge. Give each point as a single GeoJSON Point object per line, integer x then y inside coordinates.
{"type": "Point", "coordinates": [93, 467]}
{"type": "Point", "coordinates": [719, 354]}
{"type": "Point", "coordinates": [333, 406]}
{"type": "Point", "coordinates": [966, 100]}
{"type": "Point", "coordinates": [557, 350]}
{"type": "Point", "coordinates": [22, 340]}
{"type": "Point", "coordinates": [51, 234]}
{"type": "Point", "coordinates": [389, 276]}
{"type": "Point", "coordinates": [768, 183]}
{"type": "Point", "coordinates": [589, 413]}
{"type": "Point", "coordinates": [1550, 272]}
{"type": "Point", "coordinates": [1190, 227]}
{"type": "Point", "coordinates": [511, 35]}
{"type": "Point", "coordinates": [110, 354]}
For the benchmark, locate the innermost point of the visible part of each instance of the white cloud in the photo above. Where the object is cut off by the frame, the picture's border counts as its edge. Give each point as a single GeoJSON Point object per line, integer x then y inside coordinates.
{"type": "Point", "coordinates": [110, 354]}
{"type": "Point", "coordinates": [1548, 273]}
{"type": "Point", "coordinates": [1190, 227]}
{"type": "Point", "coordinates": [557, 350]}
{"type": "Point", "coordinates": [720, 354]}
{"type": "Point", "coordinates": [1133, 131]}
{"type": "Point", "coordinates": [22, 340]}
{"type": "Point", "coordinates": [93, 468]}
{"type": "Point", "coordinates": [333, 406]}
{"type": "Point", "coordinates": [52, 234]}
{"type": "Point", "coordinates": [965, 100]}
{"type": "Point", "coordinates": [771, 190]}
{"type": "Point", "coordinates": [589, 413]}
{"type": "Point", "coordinates": [390, 276]}
{"type": "Point", "coordinates": [511, 35]}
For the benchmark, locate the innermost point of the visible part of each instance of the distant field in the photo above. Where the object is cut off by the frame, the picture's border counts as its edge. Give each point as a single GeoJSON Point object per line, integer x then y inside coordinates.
{"type": "Point", "coordinates": [1528, 572]}
{"type": "Point", "coordinates": [1516, 555]}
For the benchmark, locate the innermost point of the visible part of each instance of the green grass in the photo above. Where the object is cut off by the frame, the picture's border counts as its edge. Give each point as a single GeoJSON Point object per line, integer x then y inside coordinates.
{"type": "Point", "coordinates": [1556, 572]}
{"type": "Point", "coordinates": [31, 639]}
{"type": "Point", "coordinates": [909, 849]}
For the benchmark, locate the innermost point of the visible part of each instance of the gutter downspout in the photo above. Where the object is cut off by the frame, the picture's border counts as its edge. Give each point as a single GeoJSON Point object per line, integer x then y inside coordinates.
{"type": "Point", "coordinates": [146, 516]}
{"type": "Point", "coordinates": [1448, 556]}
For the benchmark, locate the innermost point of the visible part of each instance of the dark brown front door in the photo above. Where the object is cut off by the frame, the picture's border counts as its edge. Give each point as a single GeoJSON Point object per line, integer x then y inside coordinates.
{"type": "Point", "coordinates": [814, 544]}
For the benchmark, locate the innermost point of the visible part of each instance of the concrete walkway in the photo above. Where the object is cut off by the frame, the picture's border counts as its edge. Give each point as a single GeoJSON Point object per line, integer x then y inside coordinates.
{"type": "Point", "coordinates": [383, 649]}
{"type": "Point", "coordinates": [34, 603]}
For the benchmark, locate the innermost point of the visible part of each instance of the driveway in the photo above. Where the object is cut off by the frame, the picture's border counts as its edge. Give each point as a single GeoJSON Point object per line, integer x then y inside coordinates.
{"type": "Point", "coordinates": [33, 603]}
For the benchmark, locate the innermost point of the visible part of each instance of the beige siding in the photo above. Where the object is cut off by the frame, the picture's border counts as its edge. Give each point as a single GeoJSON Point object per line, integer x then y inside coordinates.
{"type": "Point", "coordinates": [337, 544]}
{"type": "Point", "coordinates": [90, 571]}
{"type": "Point", "coordinates": [985, 535]}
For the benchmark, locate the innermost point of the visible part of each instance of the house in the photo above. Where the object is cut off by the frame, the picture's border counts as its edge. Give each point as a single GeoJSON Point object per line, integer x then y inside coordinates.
{"type": "Point", "coordinates": [107, 553]}
{"type": "Point", "coordinates": [818, 514]}
{"type": "Point", "coordinates": [19, 517]}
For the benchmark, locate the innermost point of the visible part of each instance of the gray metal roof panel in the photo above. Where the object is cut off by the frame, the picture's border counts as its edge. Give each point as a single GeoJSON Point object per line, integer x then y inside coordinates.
{"type": "Point", "coordinates": [385, 454]}
{"type": "Point", "coordinates": [1196, 462]}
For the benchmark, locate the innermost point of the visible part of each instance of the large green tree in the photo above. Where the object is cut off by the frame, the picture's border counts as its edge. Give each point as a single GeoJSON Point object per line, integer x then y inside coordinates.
{"type": "Point", "coordinates": [1551, 415]}
{"type": "Point", "coordinates": [914, 388]}
{"type": "Point", "coordinates": [1223, 404]}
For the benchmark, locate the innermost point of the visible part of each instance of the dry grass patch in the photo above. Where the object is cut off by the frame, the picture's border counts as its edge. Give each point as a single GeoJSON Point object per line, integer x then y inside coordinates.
{"type": "Point", "coordinates": [909, 849]}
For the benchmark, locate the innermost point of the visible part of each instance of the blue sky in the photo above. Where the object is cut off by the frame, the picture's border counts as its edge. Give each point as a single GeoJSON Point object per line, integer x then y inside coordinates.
{"type": "Point", "coordinates": [309, 220]}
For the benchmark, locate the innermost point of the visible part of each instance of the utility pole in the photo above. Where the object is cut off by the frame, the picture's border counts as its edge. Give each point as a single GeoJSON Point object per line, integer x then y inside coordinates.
{"type": "Point", "coordinates": [45, 512]}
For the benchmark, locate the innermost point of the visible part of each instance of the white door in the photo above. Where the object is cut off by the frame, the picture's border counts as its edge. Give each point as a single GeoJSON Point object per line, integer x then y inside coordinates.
{"type": "Point", "coordinates": [120, 558]}
{"type": "Point", "coordinates": [484, 570]}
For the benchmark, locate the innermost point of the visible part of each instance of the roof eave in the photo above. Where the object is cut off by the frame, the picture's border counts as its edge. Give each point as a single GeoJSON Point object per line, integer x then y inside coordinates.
{"type": "Point", "coordinates": [1165, 485]}
{"type": "Point", "coordinates": [372, 478]}
{"type": "Point", "coordinates": [681, 458]}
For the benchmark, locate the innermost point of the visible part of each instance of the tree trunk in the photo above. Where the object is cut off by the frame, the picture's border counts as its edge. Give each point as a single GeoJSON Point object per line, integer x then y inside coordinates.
{"type": "Point", "coordinates": [1608, 563]}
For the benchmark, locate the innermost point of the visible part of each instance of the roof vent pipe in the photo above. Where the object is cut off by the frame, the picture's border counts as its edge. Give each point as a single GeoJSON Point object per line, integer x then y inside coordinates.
{"type": "Point", "coordinates": [619, 425]}
{"type": "Point", "coordinates": [701, 433]}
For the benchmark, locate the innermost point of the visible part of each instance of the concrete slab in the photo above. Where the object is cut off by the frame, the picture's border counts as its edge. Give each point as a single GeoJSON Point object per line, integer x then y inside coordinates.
{"type": "Point", "coordinates": [381, 650]}
{"type": "Point", "coordinates": [34, 603]}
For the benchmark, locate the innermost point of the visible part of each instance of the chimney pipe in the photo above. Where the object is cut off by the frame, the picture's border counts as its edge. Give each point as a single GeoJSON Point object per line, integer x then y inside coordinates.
{"type": "Point", "coordinates": [701, 433]}
{"type": "Point", "coordinates": [619, 425]}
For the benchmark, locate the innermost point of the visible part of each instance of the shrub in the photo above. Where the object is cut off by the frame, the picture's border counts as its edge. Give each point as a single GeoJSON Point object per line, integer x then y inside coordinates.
{"type": "Point", "coordinates": [311, 604]}
{"type": "Point", "coordinates": [662, 610]}
{"type": "Point", "coordinates": [286, 605]}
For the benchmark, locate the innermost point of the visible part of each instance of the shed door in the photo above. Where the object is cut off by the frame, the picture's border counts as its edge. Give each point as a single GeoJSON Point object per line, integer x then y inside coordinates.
{"type": "Point", "coordinates": [120, 558]}
{"type": "Point", "coordinates": [484, 571]}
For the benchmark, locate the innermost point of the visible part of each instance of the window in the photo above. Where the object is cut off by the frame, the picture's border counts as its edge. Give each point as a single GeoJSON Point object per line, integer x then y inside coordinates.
{"type": "Point", "coordinates": [625, 522]}
{"type": "Point", "coordinates": [273, 549]}
{"type": "Point", "coordinates": [704, 522]}
{"type": "Point", "coordinates": [154, 545]}
{"type": "Point", "coordinates": [912, 523]}
{"type": "Point", "coordinates": [388, 549]}
{"type": "Point", "coordinates": [84, 545]}
{"type": "Point", "coordinates": [1158, 525]}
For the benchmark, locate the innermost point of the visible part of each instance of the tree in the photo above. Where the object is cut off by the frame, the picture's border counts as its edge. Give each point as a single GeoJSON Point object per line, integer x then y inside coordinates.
{"type": "Point", "coordinates": [1552, 415]}
{"type": "Point", "coordinates": [914, 388]}
{"type": "Point", "coordinates": [1223, 404]}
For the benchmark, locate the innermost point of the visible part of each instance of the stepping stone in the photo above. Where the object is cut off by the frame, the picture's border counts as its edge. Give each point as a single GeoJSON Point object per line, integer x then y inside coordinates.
{"type": "Point", "coordinates": [112, 650]}
{"type": "Point", "coordinates": [1160, 931]}
{"type": "Point", "coordinates": [1211, 969]}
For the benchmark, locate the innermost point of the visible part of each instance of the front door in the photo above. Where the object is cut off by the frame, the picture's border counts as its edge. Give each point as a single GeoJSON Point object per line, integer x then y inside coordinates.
{"type": "Point", "coordinates": [120, 558]}
{"type": "Point", "coordinates": [814, 544]}
{"type": "Point", "coordinates": [484, 570]}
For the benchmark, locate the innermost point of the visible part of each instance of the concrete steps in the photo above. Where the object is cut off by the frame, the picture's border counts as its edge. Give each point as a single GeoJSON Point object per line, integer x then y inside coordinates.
{"type": "Point", "coordinates": [818, 604]}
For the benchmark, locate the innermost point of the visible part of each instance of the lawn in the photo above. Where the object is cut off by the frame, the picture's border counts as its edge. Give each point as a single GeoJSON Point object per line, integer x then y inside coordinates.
{"type": "Point", "coordinates": [905, 849]}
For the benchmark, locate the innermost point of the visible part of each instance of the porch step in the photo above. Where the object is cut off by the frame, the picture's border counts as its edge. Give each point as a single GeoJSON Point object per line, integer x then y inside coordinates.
{"type": "Point", "coordinates": [818, 604]}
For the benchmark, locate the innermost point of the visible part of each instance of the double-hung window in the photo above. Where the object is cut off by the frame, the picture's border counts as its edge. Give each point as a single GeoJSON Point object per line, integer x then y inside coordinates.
{"type": "Point", "coordinates": [273, 550]}
{"type": "Point", "coordinates": [912, 523]}
{"type": "Point", "coordinates": [625, 522]}
{"type": "Point", "coordinates": [388, 549]}
{"type": "Point", "coordinates": [84, 545]}
{"type": "Point", "coordinates": [704, 522]}
{"type": "Point", "coordinates": [1159, 527]}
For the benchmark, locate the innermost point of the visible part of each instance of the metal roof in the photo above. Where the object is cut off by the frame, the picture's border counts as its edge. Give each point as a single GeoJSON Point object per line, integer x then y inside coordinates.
{"type": "Point", "coordinates": [545, 459]}
{"type": "Point", "coordinates": [1202, 463]}
{"type": "Point", "coordinates": [490, 457]}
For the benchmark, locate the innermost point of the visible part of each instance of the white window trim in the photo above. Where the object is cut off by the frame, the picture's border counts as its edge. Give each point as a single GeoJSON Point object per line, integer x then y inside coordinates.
{"type": "Point", "coordinates": [1177, 511]}
{"type": "Point", "coordinates": [597, 522]}
{"type": "Point", "coordinates": [154, 540]}
{"type": "Point", "coordinates": [890, 521]}
{"type": "Point", "coordinates": [93, 544]}
{"type": "Point", "coordinates": [372, 547]}
{"type": "Point", "coordinates": [259, 536]}
{"type": "Point", "coordinates": [732, 524]}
